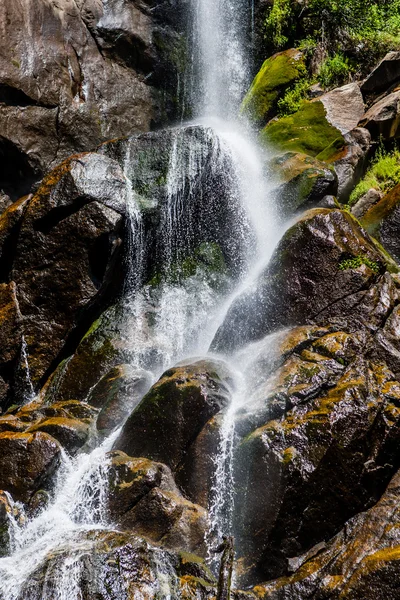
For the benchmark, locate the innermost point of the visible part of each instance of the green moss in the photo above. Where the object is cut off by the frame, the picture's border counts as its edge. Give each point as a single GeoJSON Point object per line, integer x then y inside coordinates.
{"type": "Point", "coordinates": [307, 131]}
{"type": "Point", "coordinates": [357, 261]}
{"type": "Point", "coordinates": [206, 261]}
{"type": "Point", "coordinates": [275, 76]}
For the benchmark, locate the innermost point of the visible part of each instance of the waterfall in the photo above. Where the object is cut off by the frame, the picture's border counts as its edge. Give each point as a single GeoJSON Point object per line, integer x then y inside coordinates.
{"type": "Point", "coordinates": [170, 315]}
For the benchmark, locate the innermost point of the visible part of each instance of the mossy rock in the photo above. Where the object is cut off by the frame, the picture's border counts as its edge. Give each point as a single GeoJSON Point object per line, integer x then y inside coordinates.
{"type": "Point", "coordinates": [382, 221]}
{"type": "Point", "coordinates": [306, 181]}
{"type": "Point", "coordinates": [307, 131]}
{"type": "Point", "coordinates": [276, 74]}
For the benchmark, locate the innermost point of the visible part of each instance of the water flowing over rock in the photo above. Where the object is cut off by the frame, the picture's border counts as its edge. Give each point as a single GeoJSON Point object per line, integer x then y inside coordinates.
{"type": "Point", "coordinates": [304, 281]}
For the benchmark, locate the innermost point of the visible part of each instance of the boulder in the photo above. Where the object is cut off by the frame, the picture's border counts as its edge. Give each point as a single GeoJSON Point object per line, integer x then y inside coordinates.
{"type": "Point", "coordinates": [361, 561]}
{"type": "Point", "coordinates": [66, 249]}
{"type": "Point", "coordinates": [170, 417]}
{"type": "Point", "coordinates": [344, 107]}
{"type": "Point", "coordinates": [349, 160]}
{"type": "Point", "coordinates": [383, 76]}
{"type": "Point", "coordinates": [308, 278]}
{"type": "Point", "coordinates": [383, 118]}
{"type": "Point", "coordinates": [27, 462]}
{"type": "Point", "coordinates": [307, 131]}
{"type": "Point", "coordinates": [382, 220]}
{"type": "Point", "coordinates": [277, 73]}
{"type": "Point", "coordinates": [306, 181]}
{"type": "Point", "coordinates": [144, 498]}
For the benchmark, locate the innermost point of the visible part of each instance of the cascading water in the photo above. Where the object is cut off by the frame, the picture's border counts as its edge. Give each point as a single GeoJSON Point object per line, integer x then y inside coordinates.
{"type": "Point", "coordinates": [173, 313]}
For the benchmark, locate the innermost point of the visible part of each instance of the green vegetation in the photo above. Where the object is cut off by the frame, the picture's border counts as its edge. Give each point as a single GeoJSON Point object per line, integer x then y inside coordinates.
{"type": "Point", "coordinates": [307, 131]}
{"type": "Point", "coordinates": [335, 71]}
{"type": "Point", "coordinates": [342, 35]}
{"type": "Point", "coordinates": [383, 175]}
{"type": "Point", "coordinates": [357, 261]}
{"type": "Point", "coordinates": [293, 98]}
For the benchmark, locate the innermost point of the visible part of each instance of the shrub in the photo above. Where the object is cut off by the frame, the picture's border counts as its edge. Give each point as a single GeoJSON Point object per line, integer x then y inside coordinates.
{"type": "Point", "coordinates": [335, 71]}
{"type": "Point", "coordinates": [293, 98]}
{"type": "Point", "coordinates": [357, 261]}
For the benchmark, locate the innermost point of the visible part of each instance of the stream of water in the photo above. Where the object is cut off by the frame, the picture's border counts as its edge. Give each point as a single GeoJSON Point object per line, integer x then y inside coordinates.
{"type": "Point", "coordinates": [185, 317]}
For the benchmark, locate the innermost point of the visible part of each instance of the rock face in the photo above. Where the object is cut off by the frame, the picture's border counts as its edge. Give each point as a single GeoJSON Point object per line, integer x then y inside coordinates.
{"type": "Point", "coordinates": [384, 75]}
{"type": "Point", "coordinates": [307, 279]}
{"type": "Point", "coordinates": [362, 561]}
{"type": "Point", "coordinates": [101, 56]}
{"type": "Point", "coordinates": [68, 240]}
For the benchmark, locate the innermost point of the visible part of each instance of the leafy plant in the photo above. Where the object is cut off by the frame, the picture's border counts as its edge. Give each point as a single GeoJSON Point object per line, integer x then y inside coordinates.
{"type": "Point", "coordinates": [382, 176]}
{"type": "Point", "coordinates": [357, 261]}
{"type": "Point", "coordinates": [335, 70]}
{"type": "Point", "coordinates": [293, 98]}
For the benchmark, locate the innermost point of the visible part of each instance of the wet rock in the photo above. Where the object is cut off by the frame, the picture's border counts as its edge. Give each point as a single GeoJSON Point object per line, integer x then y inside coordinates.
{"type": "Point", "coordinates": [366, 202]}
{"type": "Point", "coordinates": [306, 181]}
{"type": "Point", "coordinates": [384, 75]}
{"type": "Point", "coordinates": [38, 503]}
{"type": "Point", "coordinates": [213, 214]}
{"type": "Point", "coordinates": [344, 107]}
{"type": "Point", "coordinates": [66, 250]}
{"type": "Point", "coordinates": [362, 561]}
{"type": "Point", "coordinates": [130, 479]}
{"type": "Point", "coordinates": [305, 279]}
{"type": "Point", "coordinates": [276, 74]}
{"type": "Point", "coordinates": [175, 410]}
{"type": "Point", "coordinates": [383, 118]}
{"type": "Point", "coordinates": [382, 220]}
{"type": "Point", "coordinates": [27, 462]}
{"type": "Point", "coordinates": [71, 433]}
{"type": "Point", "coordinates": [104, 346]}
{"type": "Point", "coordinates": [169, 519]}
{"type": "Point", "coordinates": [118, 393]}
{"type": "Point", "coordinates": [126, 566]}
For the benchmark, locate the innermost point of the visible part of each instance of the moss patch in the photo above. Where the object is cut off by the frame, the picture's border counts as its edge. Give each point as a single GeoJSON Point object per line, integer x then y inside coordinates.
{"type": "Point", "coordinates": [307, 131]}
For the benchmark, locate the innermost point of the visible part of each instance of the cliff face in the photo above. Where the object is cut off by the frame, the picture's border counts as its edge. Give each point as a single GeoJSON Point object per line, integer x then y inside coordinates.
{"type": "Point", "coordinates": [76, 73]}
